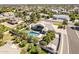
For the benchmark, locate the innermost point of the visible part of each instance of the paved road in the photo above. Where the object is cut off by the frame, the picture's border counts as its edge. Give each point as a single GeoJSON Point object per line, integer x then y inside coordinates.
{"type": "Point", "coordinates": [65, 45]}
{"type": "Point", "coordinates": [73, 41]}
{"type": "Point", "coordinates": [64, 48]}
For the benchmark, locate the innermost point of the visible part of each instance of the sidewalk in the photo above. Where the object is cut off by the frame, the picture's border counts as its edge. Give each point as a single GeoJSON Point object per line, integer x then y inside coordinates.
{"type": "Point", "coordinates": [77, 32]}
{"type": "Point", "coordinates": [64, 44]}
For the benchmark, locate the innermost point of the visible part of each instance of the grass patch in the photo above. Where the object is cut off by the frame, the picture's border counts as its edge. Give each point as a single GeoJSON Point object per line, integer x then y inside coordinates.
{"type": "Point", "coordinates": [2, 43]}
{"type": "Point", "coordinates": [7, 36]}
{"type": "Point", "coordinates": [57, 23]}
{"type": "Point", "coordinates": [3, 28]}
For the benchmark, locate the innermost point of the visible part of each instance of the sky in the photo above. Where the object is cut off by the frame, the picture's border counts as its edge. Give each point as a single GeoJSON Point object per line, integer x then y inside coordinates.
{"type": "Point", "coordinates": [39, 1]}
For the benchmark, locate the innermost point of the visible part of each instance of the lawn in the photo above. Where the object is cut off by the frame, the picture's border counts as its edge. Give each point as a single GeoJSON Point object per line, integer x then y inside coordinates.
{"type": "Point", "coordinates": [3, 28]}
{"type": "Point", "coordinates": [7, 36]}
{"type": "Point", "coordinates": [57, 23]}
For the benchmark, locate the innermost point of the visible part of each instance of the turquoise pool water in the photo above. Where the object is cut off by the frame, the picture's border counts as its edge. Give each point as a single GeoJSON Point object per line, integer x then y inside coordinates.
{"type": "Point", "coordinates": [33, 33]}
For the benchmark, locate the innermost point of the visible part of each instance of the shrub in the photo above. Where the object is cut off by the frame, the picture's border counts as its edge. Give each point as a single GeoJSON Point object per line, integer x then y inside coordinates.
{"type": "Point", "coordinates": [76, 24]}
{"type": "Point", "coordinates": [33, 50]}
{"type": "Point", "coordinates": [50, 35]}
{"type": "Point", "coordinates": [60, 26]}
{"type": "Point", "coordinates": [17, 40]}
{"type": "Point", "coordinates": [65, 22]}
{"type": "Point", "coordinates": [22, 43]}
{"type": "Point", "coordinates": [35, 40]}
{"type": "Point", "coordinates": [2, 43]}
{"type": "Point", "coordinates": [23, 51]}
{"type": "Point", "coordinates": [43, 43]}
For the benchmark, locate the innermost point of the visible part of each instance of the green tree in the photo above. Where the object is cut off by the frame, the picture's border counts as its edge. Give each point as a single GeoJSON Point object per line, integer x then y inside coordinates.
{"type": "Point", "coordinates": [33, 50]}
{"type": "Point", "coordinates": [43, 43]}
{"type": "Point", "coordinates": [72, 17]}
{"type": "Point", "coordinates": [25, 36]}
{"type": "Point", "coordinates": [22, 43]}
{"type": "Point", "coordinates": [1, 35]}
{"type": "Point", "coordinates": [50, 35]}
{"type": "Point", "coordinates": [65, 22]}
{"type": "Point", "coordinates": [35, 39]}
{"type": "Point", "coordinates": [23, 51]}
{"type": "Point", "coordinates": [76, 24]}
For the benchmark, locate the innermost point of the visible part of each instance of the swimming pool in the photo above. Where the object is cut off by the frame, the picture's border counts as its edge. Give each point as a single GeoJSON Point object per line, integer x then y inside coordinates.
{"type": "Point", "coordinates": [31, 33]}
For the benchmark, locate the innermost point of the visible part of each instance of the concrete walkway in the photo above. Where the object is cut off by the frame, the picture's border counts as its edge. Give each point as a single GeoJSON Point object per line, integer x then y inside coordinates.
{"type": "Point", "coordinates": [77, 32]}
{"type": "Point", "coordinates": [64, 44]}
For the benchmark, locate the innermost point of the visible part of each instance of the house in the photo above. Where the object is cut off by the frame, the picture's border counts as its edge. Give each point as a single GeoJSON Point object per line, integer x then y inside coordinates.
{"type": "Point", "coordinates": [12, 22]}
{"type": "Point", "coordinates": [42, 14]}
{"type": "Point", "coordinates": [61, 17]}
{"type": "Point", "coordinates": [58, 10]}
{"type": "Point", "coordinates": [76, 20]}
{"type": "Point", "coordinates": [74, 10]}
{"type": "Point", "coordinates": [54, 10]}
{"type": "Point", "coordinates": [8, 14]}
{"type": "Point", "coordinates": [28, 17]}
{"type": "Point", "coordinates": [2, 17]}
{"type": "Point", "coordinates": [71, 11]}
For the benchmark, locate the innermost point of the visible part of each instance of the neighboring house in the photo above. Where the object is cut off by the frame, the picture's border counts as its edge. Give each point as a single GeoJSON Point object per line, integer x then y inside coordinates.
{"type": "Point", "coordinates": [71, 11]}
{"type": "Point", "coordinates": [76, 20]}
{"type": "Point", "coordinates": [13, 22]}
{"type": "Point", "coordinates": [61, 17]}
{"type": "Point", "coordinates": [74, 10]}
{"type": "Point", "coordinates": [54, 10]}
{"type": "Point", "coordinates": [58, 10]}
{"type": "Point", "coordinates": [42, 14]}
{"type": "Point", "coordinates": [28, 17]}
{"type": "Point", "coordinates": [8, 14]}
{"type": "Point", "coordinates": [2, 17]}
{"type": "Point", "coordinates": [65, 12]}
{"type": "Point", "coordinates": [29, 13]}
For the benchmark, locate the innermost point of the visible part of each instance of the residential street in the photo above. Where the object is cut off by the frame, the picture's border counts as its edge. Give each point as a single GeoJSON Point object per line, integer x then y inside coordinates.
{"type": "Point", "coordinates": [65, 45]}
{"type": "Point", "coordinates": [73, 41]}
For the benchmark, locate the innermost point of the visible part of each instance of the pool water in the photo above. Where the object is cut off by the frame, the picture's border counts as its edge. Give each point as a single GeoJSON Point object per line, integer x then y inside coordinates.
{"type": "Point", "coordinates": [33, 33]}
